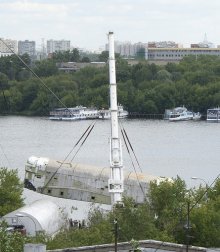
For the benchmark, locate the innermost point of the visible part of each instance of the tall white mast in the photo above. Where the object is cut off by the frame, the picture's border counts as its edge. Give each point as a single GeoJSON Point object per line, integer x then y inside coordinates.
{"type": "Point", "coordinates": [116, 186]}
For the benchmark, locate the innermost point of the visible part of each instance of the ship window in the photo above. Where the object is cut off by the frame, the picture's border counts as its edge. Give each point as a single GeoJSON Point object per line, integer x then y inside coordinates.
{"type": "Point", "coordinates": [49, 191]}
{"type": "Point", "coordinates": [93, 197]}
{"type": "Point", "coordinates": [61, 193]}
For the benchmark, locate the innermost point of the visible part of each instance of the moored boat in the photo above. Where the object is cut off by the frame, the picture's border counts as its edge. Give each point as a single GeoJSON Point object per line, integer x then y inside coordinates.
{"type": "Point", "coordinates": [213, 115]}
{"type": "Point", "coordinates": [106, 113]}
{"type": "Point", "coordinates": [181, 114]}
{"type": "Point", "coordinates": [75, 113]}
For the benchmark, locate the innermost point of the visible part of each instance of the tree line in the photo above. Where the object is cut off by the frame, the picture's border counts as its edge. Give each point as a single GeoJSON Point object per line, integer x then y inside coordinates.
{"type": "Point", "coordinates": [163, 216]}
{"type": "Point", "coordinates": [144, 88]}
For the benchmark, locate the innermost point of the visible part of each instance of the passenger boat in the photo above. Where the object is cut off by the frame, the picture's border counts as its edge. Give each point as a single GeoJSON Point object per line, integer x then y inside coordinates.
{"type": "Point", "coordinates": [182, 114]}
{"type": "Point", "coordinates": [213, 115]}
{"type": "Point", "coordinates": [76, 113]}
{"type": "Point", "coordinates": [106, 113]}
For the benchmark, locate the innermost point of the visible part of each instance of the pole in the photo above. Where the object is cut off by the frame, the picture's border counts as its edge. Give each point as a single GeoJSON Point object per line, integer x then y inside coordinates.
{"type": "Point", "coordinates": [115, 183]}
{"type": "Point", "coordinates": [116, 234]}
{"type": "Point", "coordinates": [187, 230]}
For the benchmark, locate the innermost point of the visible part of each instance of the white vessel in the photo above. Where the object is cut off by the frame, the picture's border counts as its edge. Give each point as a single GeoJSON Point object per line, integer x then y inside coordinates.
{"type": "Point", "coordinates": [106, 113]}
{"type": "Point", "coordinates": [213, 115]}
{"type": "Point", "coordinates": [71, 114]}
{"type": "Point", "coordinates": [182, 114]}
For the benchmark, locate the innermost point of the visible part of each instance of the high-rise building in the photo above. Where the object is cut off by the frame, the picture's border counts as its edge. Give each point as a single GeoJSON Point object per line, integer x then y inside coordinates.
{"type": "Point", "coordinates": [5, 50]}
{"type": "Point", "coordinates": [28, 47]}
{"type": "Point", "coordinates": [57, 45]}
{"type": "Point", "coordinates": [127, 49]}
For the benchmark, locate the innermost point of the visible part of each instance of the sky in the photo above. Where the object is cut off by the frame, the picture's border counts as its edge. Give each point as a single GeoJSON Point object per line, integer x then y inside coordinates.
{"type": "Point", "coordinates": [86, 22]}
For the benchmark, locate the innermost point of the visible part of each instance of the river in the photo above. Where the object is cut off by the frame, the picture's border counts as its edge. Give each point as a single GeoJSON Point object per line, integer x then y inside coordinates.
{"type": "Point", "coordinates": [163, 148]}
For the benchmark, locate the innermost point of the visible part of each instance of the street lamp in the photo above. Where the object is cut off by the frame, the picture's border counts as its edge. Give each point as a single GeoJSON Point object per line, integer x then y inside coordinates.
{"type": "Point", "coordinates": [197, 178]}
{"type": "Point", "coordinates": [19, 215]}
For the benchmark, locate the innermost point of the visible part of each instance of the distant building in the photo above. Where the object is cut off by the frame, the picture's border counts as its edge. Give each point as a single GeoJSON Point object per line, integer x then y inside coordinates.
{"type": "Point", "coordinates": [176, 54]}
{"type": "Point", "coordinates": [28, 47]}
{"type": "Point", "coordinates": [4, 50]}
{"type": "Point", "coordinates": [57, 45]}
{"type": "Point", "coordinates": [163, 44]}
{"type": "Point", "coordinates": [68, 67]}
{"type": "Point", "coordinates": [127, 49]}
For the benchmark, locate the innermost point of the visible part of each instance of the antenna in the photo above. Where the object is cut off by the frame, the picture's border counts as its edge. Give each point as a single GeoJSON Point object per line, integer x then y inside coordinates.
{"type": "Point", "coordinates": [116, 185]}
{"type": "Point", "coordinates": [205, 39]}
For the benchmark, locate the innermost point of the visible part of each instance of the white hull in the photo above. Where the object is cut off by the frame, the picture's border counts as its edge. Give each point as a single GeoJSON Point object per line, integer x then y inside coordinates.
{"type": "Point", "coordinates": [213, 115]}
{"type": "Point", "coordinates": [181, 114]}
{"type": "Point", "coordinates": [213, 120]}
{"type": "Point", "coordinates": [73, 114]}
{"type": "Point", "coordinates": [106, 114]}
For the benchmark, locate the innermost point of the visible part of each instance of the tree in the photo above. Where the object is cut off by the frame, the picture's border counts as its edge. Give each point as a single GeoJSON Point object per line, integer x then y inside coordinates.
{"type": "Point", "coordinates": [103, 57]}
{"type": "Point", "coordinates": [135, 221]}
{"type": "Point", "coordinates": [10, 242]}
{"type": "Point", "coordinates": [45, 68]}
{"type": "Point", "coordinates": [168, 202]}
{"type": "Point", "coordinates": [74, 55]}
{"type": "Point", "coordinates": [10, 191]}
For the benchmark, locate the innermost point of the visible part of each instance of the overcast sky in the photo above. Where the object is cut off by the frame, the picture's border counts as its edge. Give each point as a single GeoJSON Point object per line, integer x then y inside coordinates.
{"type": "Point", "coordinates": [86, 22]}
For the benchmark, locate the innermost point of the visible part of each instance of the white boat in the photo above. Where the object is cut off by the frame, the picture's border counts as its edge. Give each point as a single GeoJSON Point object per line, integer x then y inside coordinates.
{"type": "Point", "coordinates": [71, 114]}
{"type": "Point", "coordinates": [197, 116]}
{"type": "Point", "coordinates": [182, 114]}
{"type": "Point", "coordinates": [213, 115]}
{"type": "Point", "coordinates": [106, 113]}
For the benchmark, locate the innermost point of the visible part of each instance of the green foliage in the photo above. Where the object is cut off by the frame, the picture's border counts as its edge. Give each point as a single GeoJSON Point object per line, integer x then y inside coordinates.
{"type": "Point", "coordinates": [144, 88]}
{"type": "Point", "coordinates": [10, 191]}
{"type": "Point", "coordinates": [45, 68]}
{"type": "Point", "coordinates": [10, 242]}
{"type": "Point", "coordinates": [162, 217]}
{"type": "Point", "coordinates": [135, 221]}
{"type": "Point", "coordinates": [167, 201]}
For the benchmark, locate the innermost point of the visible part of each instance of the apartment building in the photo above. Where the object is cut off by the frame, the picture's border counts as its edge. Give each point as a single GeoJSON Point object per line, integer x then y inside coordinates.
{"type": "Point", "coordinates": [28, 47]}
{"type": "Point", "coordinates": [127, 49]}
{"type": "Point", "coordinates": [57, 45]}
{"type": "Point", "coordinates": [5, 50]}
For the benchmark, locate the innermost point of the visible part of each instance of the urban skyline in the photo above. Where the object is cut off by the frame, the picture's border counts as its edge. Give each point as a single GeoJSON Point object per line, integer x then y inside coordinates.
{"type": "Point", "coordinates": [86, 23]}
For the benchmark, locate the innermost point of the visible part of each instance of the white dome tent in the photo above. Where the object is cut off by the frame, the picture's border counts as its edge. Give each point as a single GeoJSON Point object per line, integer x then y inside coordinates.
{"type": "Point", "coordinates": [39, 216]}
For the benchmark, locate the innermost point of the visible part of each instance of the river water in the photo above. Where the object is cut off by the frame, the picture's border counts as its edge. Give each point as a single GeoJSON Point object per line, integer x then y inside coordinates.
{"type": "Point", "coordinates": [162, 148]}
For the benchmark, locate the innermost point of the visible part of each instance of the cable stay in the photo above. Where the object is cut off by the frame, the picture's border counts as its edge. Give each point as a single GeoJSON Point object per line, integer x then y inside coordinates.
{"type": "Point", "coordinates": [126, 136]}
{"type": "Point", "coordinates": [5, 155]}
{"type": "Point", "coordinates": [89, 129]}
{"type": "Point", "coordinates": [132, 149]}
{"type": "Point", "coordinates": [125, 141]}
{"type": "Point", "coordinates": [92, 127]}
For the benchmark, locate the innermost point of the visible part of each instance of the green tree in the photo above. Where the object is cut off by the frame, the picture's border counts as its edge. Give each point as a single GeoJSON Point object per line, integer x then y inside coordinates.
{"type": "Point", "coordinates": [10, 191]}
{"type": "Point", "coordinates": [135, 221]}
{"type": "Point", "coordinates": [168, 202]}
{"type": "Point", "coordinates": [10, 242]}
{"type": "Point", "coordinates": [103, 57]}
{"type": "Point", "coordinates": [45, 68]}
